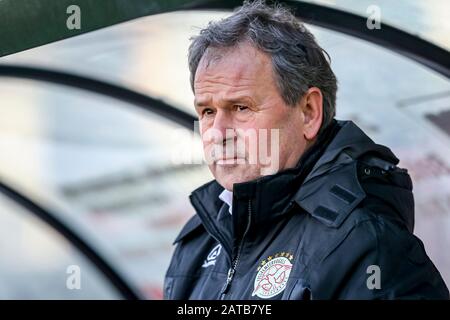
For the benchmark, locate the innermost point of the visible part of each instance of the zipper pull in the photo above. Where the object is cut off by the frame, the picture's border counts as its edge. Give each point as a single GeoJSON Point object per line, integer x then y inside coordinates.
{"type": "Point", "coordinates": [230, 275]}
{"type": "Point", "coordinates": [227, 284]}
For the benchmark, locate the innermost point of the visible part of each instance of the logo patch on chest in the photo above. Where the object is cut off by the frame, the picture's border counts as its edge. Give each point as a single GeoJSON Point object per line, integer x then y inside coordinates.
{"type": "Point", "coordinates": [273, 274]}
{"type": "Point", "coordinates": [212, 256]}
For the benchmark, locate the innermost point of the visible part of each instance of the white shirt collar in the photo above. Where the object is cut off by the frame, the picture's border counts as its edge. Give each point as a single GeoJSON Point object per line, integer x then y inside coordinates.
{"type": "Point", "coordinates": [227, 197]}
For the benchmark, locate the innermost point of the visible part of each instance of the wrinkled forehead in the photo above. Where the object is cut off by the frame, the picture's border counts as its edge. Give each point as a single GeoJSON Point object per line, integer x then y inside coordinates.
{"type": "Point", "coordinates": [240, 62]}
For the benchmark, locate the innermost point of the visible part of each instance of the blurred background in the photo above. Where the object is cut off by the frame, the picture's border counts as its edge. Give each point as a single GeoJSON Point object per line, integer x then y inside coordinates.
{"type": "Point", "coordinates": [110, 166]}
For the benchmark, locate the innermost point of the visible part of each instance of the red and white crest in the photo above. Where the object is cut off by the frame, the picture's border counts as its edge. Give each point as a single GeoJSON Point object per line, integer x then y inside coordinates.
{"type": "Point", "coordinates": [272, 276]}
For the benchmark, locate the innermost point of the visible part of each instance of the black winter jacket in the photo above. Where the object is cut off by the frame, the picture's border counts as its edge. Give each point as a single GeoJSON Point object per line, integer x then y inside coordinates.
{"type": "Point", "coordinates": [337, 226]}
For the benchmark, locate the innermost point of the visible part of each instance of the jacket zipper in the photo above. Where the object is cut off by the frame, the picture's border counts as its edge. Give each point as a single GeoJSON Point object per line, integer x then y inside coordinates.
{"type": "Point", "coordinates": [235, 262]}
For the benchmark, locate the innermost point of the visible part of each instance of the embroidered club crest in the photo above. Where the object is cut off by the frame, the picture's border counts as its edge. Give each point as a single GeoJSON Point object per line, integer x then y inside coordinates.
{"type": "Point", "coordinates": [272, 276]}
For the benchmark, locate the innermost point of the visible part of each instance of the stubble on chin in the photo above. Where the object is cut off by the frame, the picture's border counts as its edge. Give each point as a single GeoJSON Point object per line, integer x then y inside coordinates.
{"type": "Point", "coordinates": [231, 174]}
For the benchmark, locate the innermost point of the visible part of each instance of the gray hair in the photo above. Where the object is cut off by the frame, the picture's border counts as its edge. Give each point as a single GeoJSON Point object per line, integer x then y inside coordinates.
{"type": "Point", "coordinates": [298, 61]}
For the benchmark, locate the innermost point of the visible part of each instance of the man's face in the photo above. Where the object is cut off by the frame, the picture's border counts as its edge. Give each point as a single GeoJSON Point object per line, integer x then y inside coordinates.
{"type": "Point", "coordinates": [247, 129]}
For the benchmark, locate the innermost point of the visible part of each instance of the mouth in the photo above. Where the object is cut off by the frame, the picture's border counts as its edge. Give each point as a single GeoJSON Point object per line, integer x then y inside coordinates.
{"type": "Point", "coordinates": [230, 161]}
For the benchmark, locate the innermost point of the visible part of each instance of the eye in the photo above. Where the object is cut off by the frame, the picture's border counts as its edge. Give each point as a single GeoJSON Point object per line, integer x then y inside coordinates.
{"type": "Point", "coordinates": [207, 111]}
{"type": "Point", "coordinates": [240, 107]}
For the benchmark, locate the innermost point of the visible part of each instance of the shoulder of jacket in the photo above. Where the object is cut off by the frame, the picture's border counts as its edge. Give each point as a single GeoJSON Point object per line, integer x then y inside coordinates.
{"type": "Point", "coordinates": [331, 197]}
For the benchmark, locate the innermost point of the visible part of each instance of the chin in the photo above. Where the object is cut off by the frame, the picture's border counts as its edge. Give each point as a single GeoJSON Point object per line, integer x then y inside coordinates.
{"type": "Point", "coordinates": [228, 180]}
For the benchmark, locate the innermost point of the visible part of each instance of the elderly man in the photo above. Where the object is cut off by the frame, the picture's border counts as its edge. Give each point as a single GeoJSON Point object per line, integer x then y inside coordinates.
{"type": "Point", "coordinates": [327, 215]}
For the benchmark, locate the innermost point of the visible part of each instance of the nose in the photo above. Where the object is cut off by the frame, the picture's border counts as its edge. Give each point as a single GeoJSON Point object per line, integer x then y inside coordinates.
{"type": "Point", "coordinates": [222, 128]}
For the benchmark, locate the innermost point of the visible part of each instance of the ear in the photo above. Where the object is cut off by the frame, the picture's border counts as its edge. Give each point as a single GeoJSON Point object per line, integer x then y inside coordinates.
{"type": "Point", "coordinates": [312, 109]}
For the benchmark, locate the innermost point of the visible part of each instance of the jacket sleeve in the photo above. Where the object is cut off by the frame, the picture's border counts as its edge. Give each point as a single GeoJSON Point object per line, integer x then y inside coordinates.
{"type": "Point", "coordinates": [377, 259]}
